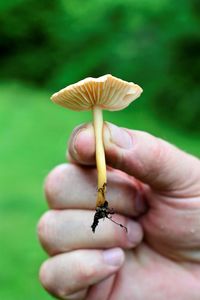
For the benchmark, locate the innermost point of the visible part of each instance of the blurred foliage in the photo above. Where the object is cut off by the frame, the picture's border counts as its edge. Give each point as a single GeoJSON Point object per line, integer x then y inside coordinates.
{"type": "Point", "coordinates": [155, 43]}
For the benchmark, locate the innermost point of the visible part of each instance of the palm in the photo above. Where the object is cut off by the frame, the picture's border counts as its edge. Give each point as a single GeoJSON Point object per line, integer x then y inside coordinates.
{"type": "Point", "coordinates": [152, 271]}
{"type": "Point", "coordinates": [148, 275]}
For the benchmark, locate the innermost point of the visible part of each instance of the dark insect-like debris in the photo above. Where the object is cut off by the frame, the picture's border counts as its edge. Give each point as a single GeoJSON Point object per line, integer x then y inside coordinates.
{"type": "Point", "coordinates": [102, 212]}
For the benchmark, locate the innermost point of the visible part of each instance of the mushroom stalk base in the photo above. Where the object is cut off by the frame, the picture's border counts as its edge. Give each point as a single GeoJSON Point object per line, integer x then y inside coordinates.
{"type": "Point", "coordinates": [100, 155]}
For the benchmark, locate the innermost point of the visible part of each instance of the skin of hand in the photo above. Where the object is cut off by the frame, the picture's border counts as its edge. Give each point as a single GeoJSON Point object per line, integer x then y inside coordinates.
{"type": "Point", "coordinates": [154, 189]}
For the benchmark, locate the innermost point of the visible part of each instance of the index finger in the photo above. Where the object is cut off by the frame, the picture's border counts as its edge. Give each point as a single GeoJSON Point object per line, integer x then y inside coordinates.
{"type": "Point", "coordinates": [74, 186]}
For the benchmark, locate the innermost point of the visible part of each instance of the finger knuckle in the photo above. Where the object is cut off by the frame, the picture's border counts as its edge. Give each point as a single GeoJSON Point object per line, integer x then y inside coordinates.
{"type": "Point", "coordinates": [44, 276]}
{"type": "Point", "coordinates": [47, 279]}
{"type": "Point", "coordinates": [162, 151]}
{"type": "Point", "coordinates": [159, 150]}
{"type": "Point", "coordinates": [52, 184]}
{"type": "Point", "coordinates": [44, 229]}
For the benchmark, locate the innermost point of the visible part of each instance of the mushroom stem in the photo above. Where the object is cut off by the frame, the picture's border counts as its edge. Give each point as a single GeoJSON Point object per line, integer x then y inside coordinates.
{"type": "Point", "coordinates": [100, 154]}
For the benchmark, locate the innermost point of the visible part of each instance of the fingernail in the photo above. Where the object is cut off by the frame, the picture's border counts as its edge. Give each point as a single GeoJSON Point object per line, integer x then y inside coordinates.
{"type": "Point", "coordinates": [119, 136]}
{"type": "Point", "coordinates": [113, 257]}
{"type": "Point", "coordinates": [134, 233]}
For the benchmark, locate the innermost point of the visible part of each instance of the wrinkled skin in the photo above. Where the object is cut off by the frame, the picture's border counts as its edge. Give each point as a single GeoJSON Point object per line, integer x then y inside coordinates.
{"type": "Point", "coordinates": [155, 190]}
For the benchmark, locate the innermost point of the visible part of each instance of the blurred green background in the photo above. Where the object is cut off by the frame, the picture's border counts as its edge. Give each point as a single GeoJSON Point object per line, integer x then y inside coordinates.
{"type": "Point", "coordinates": [46, 45]}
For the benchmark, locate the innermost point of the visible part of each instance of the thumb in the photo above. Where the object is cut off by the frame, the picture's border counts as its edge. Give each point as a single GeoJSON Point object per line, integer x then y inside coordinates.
{"type": "Point", "coordinates": [150, 159]}
{"type": "Point", "coordinates": [139, 154]}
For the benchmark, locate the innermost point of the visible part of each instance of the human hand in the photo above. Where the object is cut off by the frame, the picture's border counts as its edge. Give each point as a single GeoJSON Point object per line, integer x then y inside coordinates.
{"type": "Point", "coordinates": [156, 193]}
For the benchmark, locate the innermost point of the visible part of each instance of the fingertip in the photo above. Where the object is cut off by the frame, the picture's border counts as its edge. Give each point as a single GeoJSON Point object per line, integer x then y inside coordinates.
{"type": "Point", "coordinates": [82, 145]}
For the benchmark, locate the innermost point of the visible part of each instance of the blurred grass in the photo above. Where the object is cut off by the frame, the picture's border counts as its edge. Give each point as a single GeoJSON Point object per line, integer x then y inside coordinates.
{"type": "Point", "coordinates": [33, 140]}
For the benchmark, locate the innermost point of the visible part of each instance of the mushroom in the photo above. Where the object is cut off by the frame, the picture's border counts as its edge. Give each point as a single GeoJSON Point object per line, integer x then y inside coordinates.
{"type": "Point", "coordinates": [97, 94]}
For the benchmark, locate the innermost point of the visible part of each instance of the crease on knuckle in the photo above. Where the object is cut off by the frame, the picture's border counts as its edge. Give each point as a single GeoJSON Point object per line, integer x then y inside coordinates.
{"type": "Point", "coordinates": [62, 292]}
{"type": "Point", "coordinates": [68, 295]}
{"type": "Point", "coordinates": [77, 295]}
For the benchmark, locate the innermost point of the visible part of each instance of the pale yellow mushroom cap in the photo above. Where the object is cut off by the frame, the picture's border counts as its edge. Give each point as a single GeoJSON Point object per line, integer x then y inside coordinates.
{"type": "Point", "coordinates": [107, 92]}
